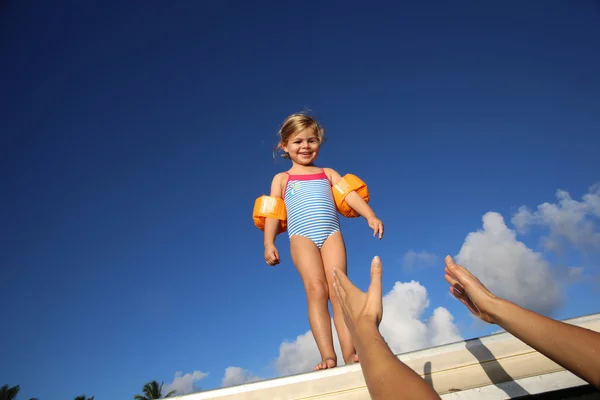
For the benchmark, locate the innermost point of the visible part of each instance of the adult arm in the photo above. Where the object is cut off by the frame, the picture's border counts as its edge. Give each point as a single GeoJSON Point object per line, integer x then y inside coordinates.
{"type": "Point", "coordinates": [385, 375]}
{"type": "Point", "coordinates": [575, 348]}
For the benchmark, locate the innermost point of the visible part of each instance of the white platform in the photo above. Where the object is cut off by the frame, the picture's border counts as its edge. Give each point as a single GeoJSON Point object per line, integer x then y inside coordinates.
{"type": "Point", "coordinates": [498, 366]}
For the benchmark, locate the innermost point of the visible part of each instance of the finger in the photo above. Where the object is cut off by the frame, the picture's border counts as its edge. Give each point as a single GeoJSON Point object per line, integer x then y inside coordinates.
{"type": "Point", "coordinates": [376, 273]}
{"type": "Point", "coordinates": [456, 293]}
{"type": "Point", "coordinates": [472, 305]}
{"type": "Point", "coordinates": [337, 280]}
{"type": "Point", "coordinates": [458, 287]}
{"type": "Point", "coordinates": [454, 269]}
{"type": "Point", "coordinates": [449, 273]}
{"type": "Point", "coordinates": [336, 289]}
{"type": "Point", "coordinates": [463, 300]}
{"type": "Point", "coordinates": [463, 275]}
{"type": "Point", "coordinates": [450, 279]}
{"type": "Point", "coordinates": [459, 295]}
{"type": "Point", "coordinates": [380, 231]}
{"type": "Point", "coordinates": [466, 300]}
{"type": "Point", "coordinates": [343, 281]}
{"type": "Point", "coordinates": [341, 298]}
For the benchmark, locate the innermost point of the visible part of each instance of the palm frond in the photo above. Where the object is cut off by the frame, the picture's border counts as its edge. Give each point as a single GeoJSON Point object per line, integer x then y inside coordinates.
{"type": "Point", "coordinates": [7, 393]}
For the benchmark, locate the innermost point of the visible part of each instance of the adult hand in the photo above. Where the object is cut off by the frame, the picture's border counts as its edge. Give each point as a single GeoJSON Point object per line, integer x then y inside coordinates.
{"type": "Point", "coordinates": [359, 307]}
{"type": "Point", "coordinates": [469, 290]}
{"type": "Point", "coordinates": [271, 255]}
{"type": "Point", "coordinates": [377, 225]}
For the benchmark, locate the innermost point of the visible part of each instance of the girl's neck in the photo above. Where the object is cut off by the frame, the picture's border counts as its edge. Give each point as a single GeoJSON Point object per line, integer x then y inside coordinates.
{"type": "Point", "coordinates": [307, 169]}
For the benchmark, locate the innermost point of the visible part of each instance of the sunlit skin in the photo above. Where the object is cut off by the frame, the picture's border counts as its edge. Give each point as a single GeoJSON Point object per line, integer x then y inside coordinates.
{"type": "Point", "coordinates": [315, 265]}
{"type": "Point", "coordinates": [303, 149]}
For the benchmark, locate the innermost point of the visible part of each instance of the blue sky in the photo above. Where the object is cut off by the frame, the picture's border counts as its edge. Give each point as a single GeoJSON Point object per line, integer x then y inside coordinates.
{"type": "Point", "coordinates": [136, 137]}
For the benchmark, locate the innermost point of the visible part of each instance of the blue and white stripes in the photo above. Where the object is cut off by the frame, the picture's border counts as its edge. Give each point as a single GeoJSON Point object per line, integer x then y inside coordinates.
{"type": "Point", "coordinates": [311, 210]}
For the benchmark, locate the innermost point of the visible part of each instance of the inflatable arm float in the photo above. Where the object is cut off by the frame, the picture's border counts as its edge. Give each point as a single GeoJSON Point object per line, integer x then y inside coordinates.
{"type": "Point", "coordinates": [269, 207]}
{"type": "Point", "coordinates": [347, 184]}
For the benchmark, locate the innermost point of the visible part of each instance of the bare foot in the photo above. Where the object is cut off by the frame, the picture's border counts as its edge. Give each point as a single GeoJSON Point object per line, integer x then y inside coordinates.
{"type": "Point", "coordinates": [326, 363]}
{"type": "Point", "coordinates": [353, 359]}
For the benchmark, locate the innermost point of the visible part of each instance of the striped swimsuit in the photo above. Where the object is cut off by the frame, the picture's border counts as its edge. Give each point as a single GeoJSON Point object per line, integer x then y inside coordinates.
{"type": "Point", "coordinates": [311, 211]}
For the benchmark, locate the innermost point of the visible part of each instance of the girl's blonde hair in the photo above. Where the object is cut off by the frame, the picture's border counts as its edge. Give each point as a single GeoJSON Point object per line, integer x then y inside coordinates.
{"type": "Point", "coordinates": [296, 123]}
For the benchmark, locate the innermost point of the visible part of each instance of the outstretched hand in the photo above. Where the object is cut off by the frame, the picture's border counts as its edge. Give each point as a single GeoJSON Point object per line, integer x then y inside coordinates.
{"type": "Point", "coordinates": [377, 225]}
{"type": "Point", "coordinates": [360, 307]}
{"type": "Point", "coordinates": [469, 290]}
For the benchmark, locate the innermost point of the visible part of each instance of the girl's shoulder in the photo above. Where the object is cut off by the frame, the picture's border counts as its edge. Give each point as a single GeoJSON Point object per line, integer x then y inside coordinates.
{"type": "Point", "coordinates": [332, 174]}
{"type": "Point", "coordinates": [279, 176]}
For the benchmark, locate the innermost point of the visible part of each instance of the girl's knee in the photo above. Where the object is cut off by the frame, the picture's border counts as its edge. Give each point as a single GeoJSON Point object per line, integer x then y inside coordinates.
{"type": "Point", "coordinates": [317, 291]}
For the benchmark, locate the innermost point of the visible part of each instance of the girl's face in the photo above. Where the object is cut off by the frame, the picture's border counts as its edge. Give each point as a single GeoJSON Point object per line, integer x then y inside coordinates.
{"type": "Point", "coordinates": [303, 147]}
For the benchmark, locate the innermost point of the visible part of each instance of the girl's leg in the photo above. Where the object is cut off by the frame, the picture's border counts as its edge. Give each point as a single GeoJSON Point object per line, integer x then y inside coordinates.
{"type": "Point", "coordinates": [307, 259]}
{"type": "Point", "coordinates": [333, 252]}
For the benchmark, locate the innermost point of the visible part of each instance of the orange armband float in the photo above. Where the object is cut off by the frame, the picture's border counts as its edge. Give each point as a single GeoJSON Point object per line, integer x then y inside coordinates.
{"type": "Point", "coordinates": [346, 185]}
{"type": "Point", "coordinates": [269, 207]}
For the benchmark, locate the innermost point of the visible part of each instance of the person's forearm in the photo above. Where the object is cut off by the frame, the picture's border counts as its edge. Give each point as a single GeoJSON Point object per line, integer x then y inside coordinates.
{"type": "Point", "coordinates": [271, 227]}
{"type": "Point", "coordinates": [575, 348]}
{"type": "Point", "coordinates": [359, 205]}
{"type": "Point", "coordinates": [385, 375]}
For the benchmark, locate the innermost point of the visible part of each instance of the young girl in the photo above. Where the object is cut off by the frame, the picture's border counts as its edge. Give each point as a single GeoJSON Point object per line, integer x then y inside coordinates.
{"type": "Point", "coordinates": [316, 242]}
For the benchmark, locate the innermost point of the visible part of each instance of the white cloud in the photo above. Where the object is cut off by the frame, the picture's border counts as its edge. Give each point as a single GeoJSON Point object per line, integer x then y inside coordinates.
{"type": "Point", "coordinates": [413, 259]}
{"type": "Point", "coordinates": [508, 267]}
{"type": "Point", "coordinates": [402, 328]}
{"type": "Point", "coordinates": [237, 376]}
{"type": "Point", "coordinates": [302, 354]}
{"type": "Point", "coordinates": [568, 219]}
{"type": "Point", "coordinates": [184, 384]}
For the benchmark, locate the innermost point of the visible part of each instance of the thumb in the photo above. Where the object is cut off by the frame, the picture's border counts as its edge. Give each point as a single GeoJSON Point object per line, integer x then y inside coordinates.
{"type": "Point", "coordinates": [464, 277]}
{"type": "Point", "coordinates": [376, 272]}
{"type": "Point", "coordinates": [455, 269]}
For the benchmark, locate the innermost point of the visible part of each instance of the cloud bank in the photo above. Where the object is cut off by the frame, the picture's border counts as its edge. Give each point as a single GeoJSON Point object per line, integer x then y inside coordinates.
{"type": "Point", "coordinates": [237, 376]}
{"type": "Point", "coordinates": [508, 267]}
{"type": "Point", "coordinates": [185, 384]}
{"type": "Point", "coordinates": [569, 221]}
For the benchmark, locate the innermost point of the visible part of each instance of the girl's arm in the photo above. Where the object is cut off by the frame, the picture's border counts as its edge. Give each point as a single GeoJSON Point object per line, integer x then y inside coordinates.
{"type": "Point", "coordinates": [359, 205]}
{"type": "Point", "coordinates": [272, 224]}
{"type": "Point", "coordinates": [353, 199]}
